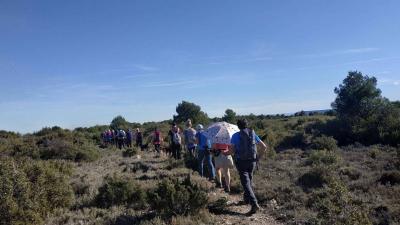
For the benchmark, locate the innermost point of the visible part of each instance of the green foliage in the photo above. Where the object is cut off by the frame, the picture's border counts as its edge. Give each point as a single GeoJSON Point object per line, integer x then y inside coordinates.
{"type": "Point", "coordinates": [120, 191]}
{"type": "Point", "coordinates": [335, 206]}
{"type": "Point", "coordinates": [317, 177]}
{"type": "Point", "coordinates": [322, 157]}
{"type": "Point", "coordinates": [364, 115]}
{"type": "Point", "coordinates": [130, 152]}
{"type": "Point", "coordinates": [324, 142]}
{"type": "Point", "coordinates": [174, 197]}
{"type": "Point", "coordinates": [64, 149]}
{"type": "Point", "coordinates": [230, 116]}
{"type": "Point", "coordinates": [351, 173]}
{"type": "Point", "coordinates": [187, 110]}
{"type": "Point", "coordinates": [119, 122]}
{"type": "Point", "coordinates": [30, 190]}
{"type": "Point", "coordinates": [390, 178]}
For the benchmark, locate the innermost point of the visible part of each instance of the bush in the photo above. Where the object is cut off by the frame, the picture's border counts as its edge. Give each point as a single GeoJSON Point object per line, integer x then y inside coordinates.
{"type": "Point", "coordinates": [324, 142]}
{"type": "Point", "coordinates": [351, 173]}
{"type": "Point", "coordinates": [129, 152]}
{"type": "Point", "coordinates": [30, 191]}
{"type": "Point", "coordinates": [62, 149]}
{"type": "Point", "coordinates": [119, 191]}
{"type": "Point", "coordinates": [315, 178]}
{"type": "Point", "coordinates": [391, 178]}
{"type": "Point", "coordinates": [335, 206]}
{"type": "Point", "coordinates": [177, 198]}
{"type": "Point", "coordinates": [322, 157]}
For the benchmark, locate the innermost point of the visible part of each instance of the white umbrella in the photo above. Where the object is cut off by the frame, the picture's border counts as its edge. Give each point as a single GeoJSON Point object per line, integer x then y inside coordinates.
{"type": "Point", "coordinates": [221, 132]}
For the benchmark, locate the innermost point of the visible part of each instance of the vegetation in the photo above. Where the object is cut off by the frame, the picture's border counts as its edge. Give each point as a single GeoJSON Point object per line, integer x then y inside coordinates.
{"type": "Point", "coordinates": [30, 190]}
{"type": "Point", "coordinates": [187, 110]}
{"type": "Point", "coordinates": [326, 167]}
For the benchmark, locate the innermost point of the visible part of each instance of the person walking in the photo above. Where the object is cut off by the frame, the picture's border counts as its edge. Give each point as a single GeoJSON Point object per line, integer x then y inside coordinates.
{"type": "Point", "coordinates": [223, 163]}
{"type": "Point", "coordinates": [129, 137]}
{"type": "Point", "coordinates": [157, 140]}
{"type": "Point", "coordinates": [139, 138]}
{"type": "Point", "coordinates": [121, 136]}
{"type": "Point", "coordinates": [190, 138]}
{"type": "Point", "coordinates": [175, 141]}
{"type": "Point", "coordinates": [203, 150]}
{"type": "Point", "coordinates": [244, 146]}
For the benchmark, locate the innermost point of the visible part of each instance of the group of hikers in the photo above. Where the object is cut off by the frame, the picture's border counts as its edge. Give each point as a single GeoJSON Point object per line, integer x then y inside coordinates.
{"type": "Point", "coordinates": [121, 138]}
{"type": "Point", "coordinates": [219, 158]}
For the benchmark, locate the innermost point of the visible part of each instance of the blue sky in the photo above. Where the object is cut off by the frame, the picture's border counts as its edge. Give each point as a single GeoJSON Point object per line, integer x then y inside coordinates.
{"type": "Point", "coordinates": [80, 63]}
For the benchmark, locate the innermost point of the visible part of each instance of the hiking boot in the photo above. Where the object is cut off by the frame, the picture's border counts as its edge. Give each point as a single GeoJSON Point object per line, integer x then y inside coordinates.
{"type": "Point", "coordinates": [254, 209]}
{"type": "Point", "coordinates": [227, 190]}
{"type": "Point", "coordinates": [243, 202]}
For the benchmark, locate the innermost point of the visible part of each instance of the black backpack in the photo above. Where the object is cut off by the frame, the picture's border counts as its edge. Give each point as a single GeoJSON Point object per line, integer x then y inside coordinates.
{"type": "Point", "coordinates": [247, 146]}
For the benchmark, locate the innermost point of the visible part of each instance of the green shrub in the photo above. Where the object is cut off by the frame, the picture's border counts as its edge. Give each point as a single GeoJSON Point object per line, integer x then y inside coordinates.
{"type": "Point", "coordinates": [315, 178]}
{"type": "Point", "coordinates": [334, 205]}
{"type": "Point", "coordinates": [324, 142]}
{"type": "Point", "coordinates": [373, 153]}
{"type": "Point", "coordinates": [63, 149]}
{"type": "Point", "coordinates": [30, 190]}
{"type": "Point", "coordinates": [129, 152]}
{"type": "Point", "coordinates": [391, 178]}
{"type": "Point", "coordinates": [178, 198]}
{"type": "Point", "coordinates": [322, 157]}
{"type": "Point", "coordinates": [351, 173]}
{"type": "Point", "coordinates": [120, 191]}
{"type": "Point", "coordinates": [173, 164]}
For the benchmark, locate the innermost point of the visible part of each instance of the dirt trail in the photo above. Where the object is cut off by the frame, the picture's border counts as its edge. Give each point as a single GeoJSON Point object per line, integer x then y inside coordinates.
{"type": "Point", "coordinates": [236, 213]}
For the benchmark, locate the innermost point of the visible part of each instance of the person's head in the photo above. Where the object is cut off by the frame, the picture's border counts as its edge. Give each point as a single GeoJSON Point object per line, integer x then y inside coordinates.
{"type": "Point", "coordinates": [242, 124]}
{"type": "Point", "coordinates": [199, 127]}
{"type": "Point", "coordinates": [156, 129]}
{"type": "Point", "coordinates": [173, 125]}
{"type": "Point", "coordinates": [137, 129]}
{"type": "Point", "coordinates": [189, 123]}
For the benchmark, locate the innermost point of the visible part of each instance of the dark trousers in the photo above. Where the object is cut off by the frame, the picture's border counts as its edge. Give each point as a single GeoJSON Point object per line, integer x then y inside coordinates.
{"type": "Point", "coordinates": [246, 169]}
{"type": "Point", "coordinates": [176, 151]}
{"type": "Point", "coordinates": [191, 150]}
{"type": "Point", "coordinates": [129, 143]}
{"type": "Point", "coordinates": [120, 143]}
{"type": "Point", "coordinates": [157, 148]}
{"type": "Point", "coordinates": [139, 143]}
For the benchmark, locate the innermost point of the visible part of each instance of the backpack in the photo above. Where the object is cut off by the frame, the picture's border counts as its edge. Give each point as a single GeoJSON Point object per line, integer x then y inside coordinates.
{"type": "Point", "coordinates": [121, 134]}
{"type": "Point", "coordinates": [247, 145]}
{"type": "Point", "coordinates": [176, 138]}
{"type": "Point", "coordinates": [191, 136]}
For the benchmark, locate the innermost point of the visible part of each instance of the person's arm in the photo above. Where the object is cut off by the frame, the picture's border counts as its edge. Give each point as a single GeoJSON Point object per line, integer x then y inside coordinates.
{"type": "Point", "coordinates": [231, 150]}
{"type": "Point", "coordinates": [261, 145]}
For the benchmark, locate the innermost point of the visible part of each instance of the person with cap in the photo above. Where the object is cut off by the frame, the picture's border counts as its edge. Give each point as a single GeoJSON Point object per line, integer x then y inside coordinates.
{"type": "Point", "coordinates": [203, 149]}
{"type": "Point", "coordinates": [244, 146]}
{"type": "Point", "coordinates": [190, 138]}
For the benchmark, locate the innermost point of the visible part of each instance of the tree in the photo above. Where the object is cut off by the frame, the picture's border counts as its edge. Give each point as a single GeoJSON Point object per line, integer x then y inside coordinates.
{"type": "Point", "coordinates": [230, 116]}
{"type": "Point", "coordinates": [119, 122]}
{"type": "Point", "coordinates": [365, 115]}
{"type": "Point", "coordinates": [187, 110]}
{"type": "Point", "coordinates": [357, 96]}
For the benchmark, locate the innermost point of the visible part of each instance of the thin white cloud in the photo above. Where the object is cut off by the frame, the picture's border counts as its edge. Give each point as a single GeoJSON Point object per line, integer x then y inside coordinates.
{"type": "Point", "coordinates": [168, 84]}
{"type": "Point", "coordinates": [145, 68]}
{"type": "Point", "coordinates": [342, 52]}
{"type": "Point", "coordinates": [389, 81]}
{"type": "Point", "coordinates": [243, 60]}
